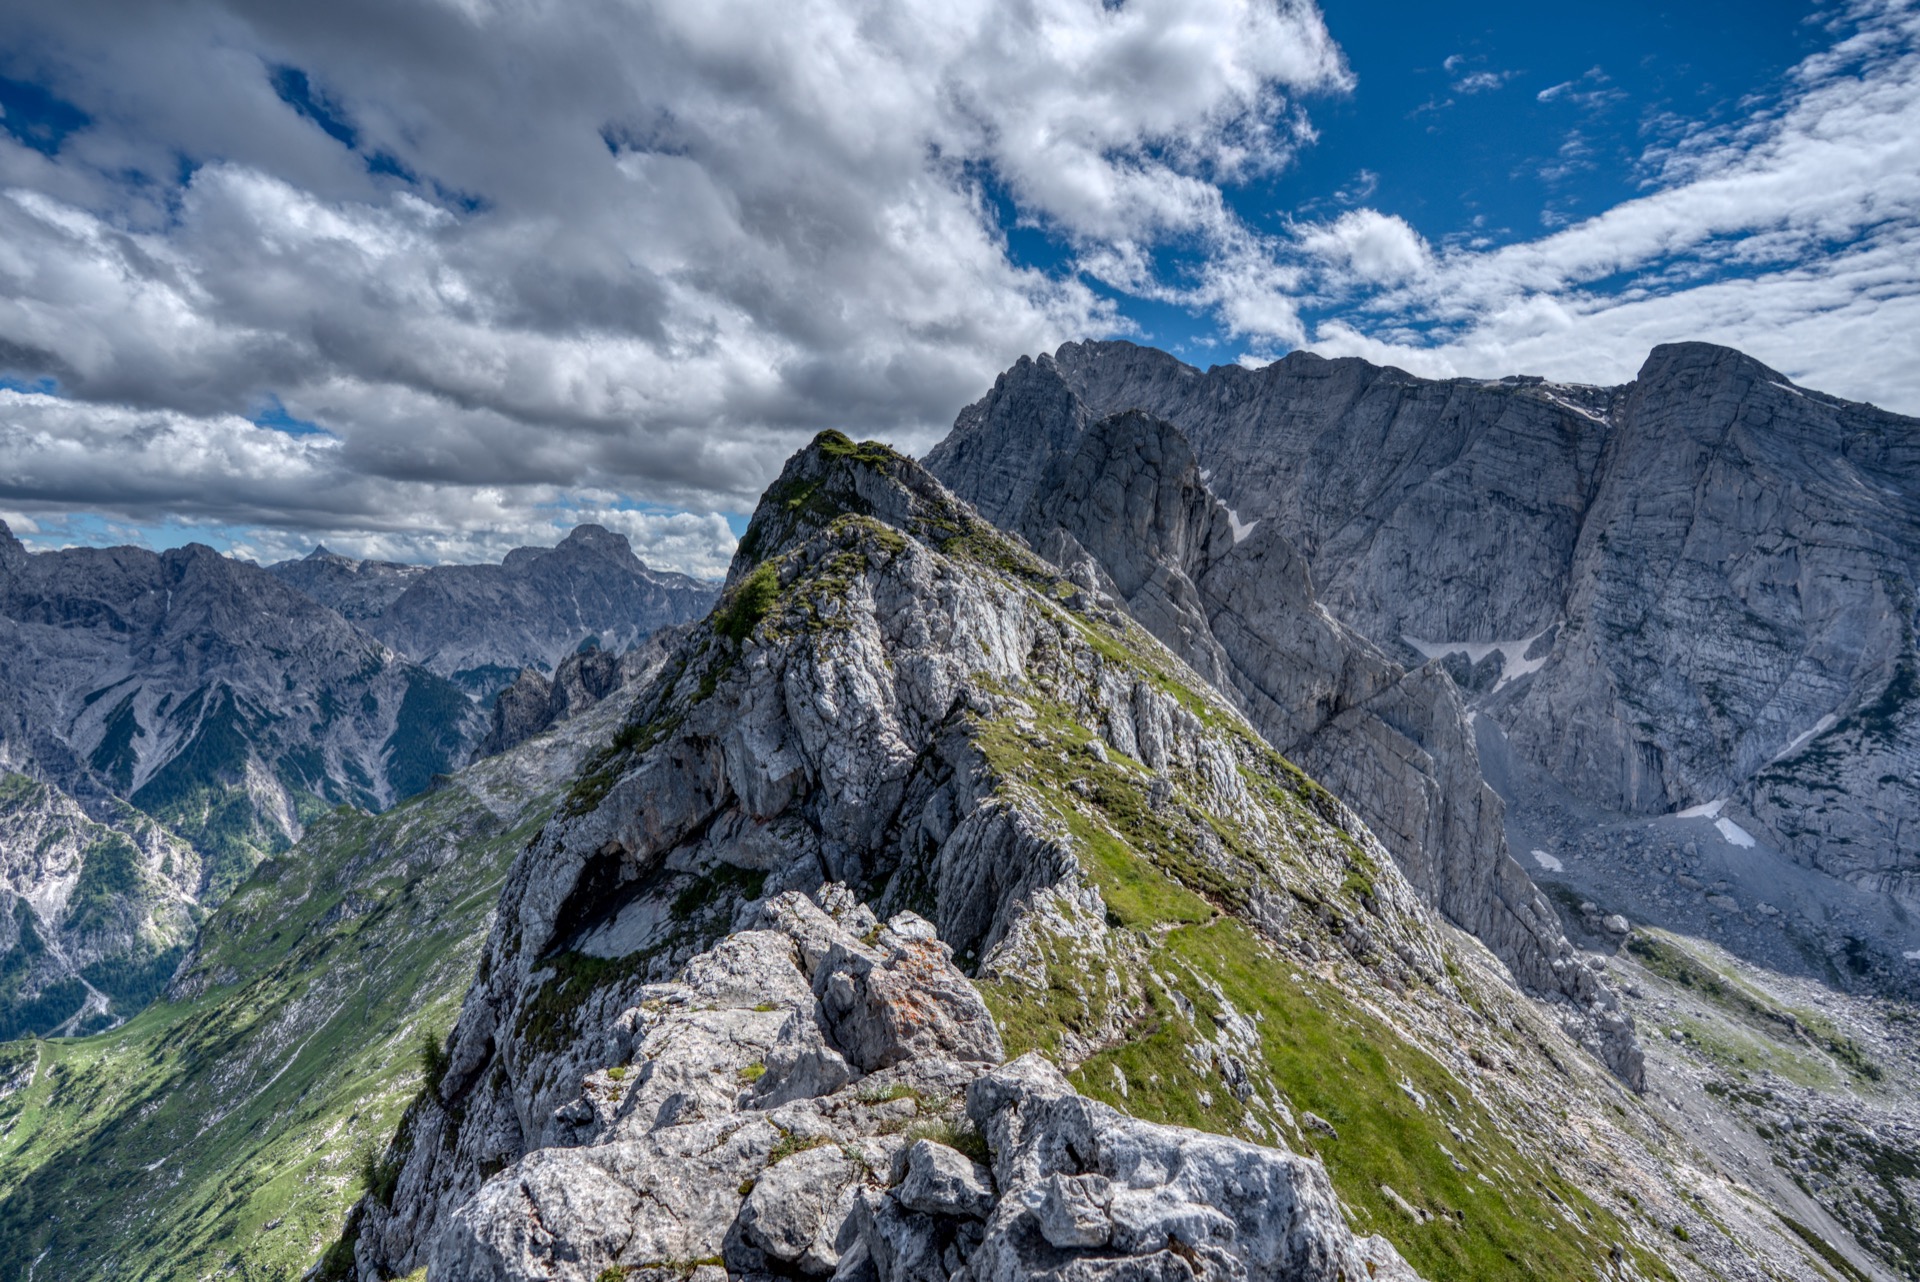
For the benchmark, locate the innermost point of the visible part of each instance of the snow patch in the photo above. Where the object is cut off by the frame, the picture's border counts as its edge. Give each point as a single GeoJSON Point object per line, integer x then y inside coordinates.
{"type": "Point", "coordinates": [1709, 810]}
{"type": "Point", "coordinates": [1240, 530]}
{"type": "Point", "coordinates": [1734, 833]}
{"type": "Point", "coordinates": [1786, 387]}
{"type": "Point", "coordinates": [1513, 661]}
{"type": "Point", "coordinates": [1912, 954]}
{"type": "Point", "coordinates": [1548, 862]}
{"type": "Point", "coordinates": [1820, 727]}
{"type": "Point", "coordinates": [1571, 408]}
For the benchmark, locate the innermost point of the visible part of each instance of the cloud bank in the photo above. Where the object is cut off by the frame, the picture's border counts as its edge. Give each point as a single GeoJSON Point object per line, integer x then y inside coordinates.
{"type": "Point", "coordinates": [503, 252]}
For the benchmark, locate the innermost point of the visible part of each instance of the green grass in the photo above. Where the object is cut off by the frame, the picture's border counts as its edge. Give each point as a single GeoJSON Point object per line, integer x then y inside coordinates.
{"type": "Point", "coordinates": [1170, 910]}
{"type": "Point", "coordinates": [224, 1135]}
{"type": "Point", "coordinates": [748, 603]}
{"type": "Point", "coordinates": [1758, 1033]}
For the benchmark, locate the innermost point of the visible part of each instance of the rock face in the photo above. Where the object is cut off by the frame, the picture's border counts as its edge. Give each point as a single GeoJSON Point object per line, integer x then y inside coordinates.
{"type": "Point", "coordinates": [911, 801]}
{"type": "Point", "coordinates": [479, 624]}
{"type": "Point", "coordinates": [1693, 588]}
{"type": "Point", "coordinates": [1120, 504]}
{"type": "Point", "coordinates": [533, 702]}
{"type": "Point", "coordinates": [211, 696]}
{"type": "Point", "coordinates": [359, 590]}
{"type": "Point", "coordinates": [93, 917]}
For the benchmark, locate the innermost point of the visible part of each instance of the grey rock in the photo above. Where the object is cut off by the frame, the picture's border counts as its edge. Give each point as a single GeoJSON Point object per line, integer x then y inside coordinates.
{"type": "Point", "coordinates": [798, 1208]}
{"type": "Point", "coordinates": [1716, 566]}
{"type": "Point", "coordinates": [478, 624]}
{"type": "Point", "coordinates": [1073, 1210]}
{"type": "Point", "coordinates": [1128, 1198]}
{"type": "Point", "coordinates": [903, 1000]}
{"type": "Point", "coordinates": [533, 703]}
{"type": "Point", "coordinates": [139, 915]}
{"type": "Point", "coordinates": [944, 1181]}
{"type": "Point", "coordinates": [903, 1245]}
{"type": "Point", "coordinates": [359, 590]}
{"type": "Point", "coordinates": [1124, 496]}
{"type": "Point", "coordinates": [177, 680]}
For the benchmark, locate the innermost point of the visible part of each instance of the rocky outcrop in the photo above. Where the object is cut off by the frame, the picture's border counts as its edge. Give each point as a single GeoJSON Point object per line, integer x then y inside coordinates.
{"type": "Point", "coordinates": [532, 703]}
{"type": "Point", "coordinates": [1123, 507]}
{"type": "Point", "coordinates": [479, 624]}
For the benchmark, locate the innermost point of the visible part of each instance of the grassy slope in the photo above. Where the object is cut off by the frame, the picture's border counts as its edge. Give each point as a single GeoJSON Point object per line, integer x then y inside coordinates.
{"type": "Point", "coordinates": [225, 1133]}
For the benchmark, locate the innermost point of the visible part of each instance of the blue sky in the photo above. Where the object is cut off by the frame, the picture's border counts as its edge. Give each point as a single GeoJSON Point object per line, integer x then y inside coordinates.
{"type": "Point", "coordinates": [428, 284]}
{"type": "Point", "coordinates": [1448, 127]}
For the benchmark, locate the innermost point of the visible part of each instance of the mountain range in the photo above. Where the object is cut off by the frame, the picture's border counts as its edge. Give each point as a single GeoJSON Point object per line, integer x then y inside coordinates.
{"type": "Point", "coordinates": [1307, 822]}
{"type": "Point", "coordinates": [479, 625]}
{"type": "Point", "coordinates": [231, 706]}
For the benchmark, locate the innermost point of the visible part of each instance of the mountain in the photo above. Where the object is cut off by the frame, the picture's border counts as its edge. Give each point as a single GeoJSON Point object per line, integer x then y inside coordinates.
{"type": "Point", "coordinates": [210, 695]}
{"type": "Point", "coordinates": [478, 625]}
{"type": "Point", "coordinates": [356, 590]}
{"type": "Point", "coordinates": [1120, 504]}
{"type": "Point", "coordinates": [580, 681]}
{"type": "Point", "coordinates": [928, 918]}
{"type": "Point", "coordinates": [1687, 600]}
{"type": "Point", "coordinates": [93, 916]}
{"type": "Point", "coordinates": [166, 720]}
{"type": "Point", "coordinates": [225, 1130]}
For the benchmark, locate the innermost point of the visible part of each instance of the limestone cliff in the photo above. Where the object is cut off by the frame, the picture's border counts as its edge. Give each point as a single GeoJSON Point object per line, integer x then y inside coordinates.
{"type": "Point", "coordinates": [1696, 588]}
{"type": "Point", "coordinates": [1121, 503]}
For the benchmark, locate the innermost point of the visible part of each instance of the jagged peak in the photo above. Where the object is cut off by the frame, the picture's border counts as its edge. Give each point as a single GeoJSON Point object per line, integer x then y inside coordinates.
{"type": "Point", "coordinates": [833, 478]}
{"type": "Point", "coordinates": [1668, 359]}
{"type": "Point", "coordinates": [589, 537]}
{"type": "Point", "coordinates": [13, 552]}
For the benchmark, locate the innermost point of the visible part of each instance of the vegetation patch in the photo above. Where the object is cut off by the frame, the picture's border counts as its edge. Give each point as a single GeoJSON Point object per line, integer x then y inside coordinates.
{"type": "Point", "coordinates": [748, 603]}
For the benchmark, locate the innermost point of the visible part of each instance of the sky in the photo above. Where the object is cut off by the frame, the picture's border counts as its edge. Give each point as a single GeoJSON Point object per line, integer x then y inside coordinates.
{"type": "Point", "coordinates": [431, 279]}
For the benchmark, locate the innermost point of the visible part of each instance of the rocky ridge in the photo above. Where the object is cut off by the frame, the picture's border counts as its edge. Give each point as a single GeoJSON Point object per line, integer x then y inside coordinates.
{"type": "Point", "coordinates": [911, 800]}
{"type": "Point", "coordinates": [1120, 504]}
{"type": "Point", "coordinates": [478, 625]}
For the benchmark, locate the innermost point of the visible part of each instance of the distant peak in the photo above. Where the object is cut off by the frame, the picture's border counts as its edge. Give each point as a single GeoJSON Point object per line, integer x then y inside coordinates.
{"type": "Point", "coordinates": [598, 538]}
{"type": "Point", "coordinates": [321, 552]}
{"type": "Point", "coordinates": [1672, 358]}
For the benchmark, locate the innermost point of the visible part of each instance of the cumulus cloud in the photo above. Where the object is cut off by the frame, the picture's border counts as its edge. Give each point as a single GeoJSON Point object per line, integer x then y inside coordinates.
{"type": "Point", "coordinates": [1794, 235]}
{"type": "Point", "coordinates": [506, 250]}
{"type": "Point", "coordinates": [1374, 247]}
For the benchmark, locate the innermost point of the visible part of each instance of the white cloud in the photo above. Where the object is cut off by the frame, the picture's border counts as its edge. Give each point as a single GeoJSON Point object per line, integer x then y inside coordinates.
{"type": "Point", "coordinates": [286, 493]}
{"type": "Point", "coordinates": [1795, 236]}
{"type": "Point", "coordinates": [649, 248]}
{"type": "Point", "coordinates": [1374, 247]}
